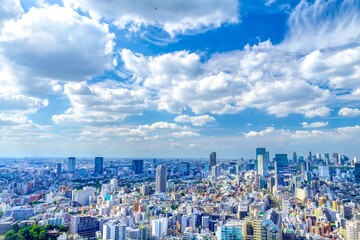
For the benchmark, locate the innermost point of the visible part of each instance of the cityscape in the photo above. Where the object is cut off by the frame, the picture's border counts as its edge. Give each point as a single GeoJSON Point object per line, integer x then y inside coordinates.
{"type": "Point", "coordinates": [315, 196]}
{"type": "Point", "coordinates": [179, 119]}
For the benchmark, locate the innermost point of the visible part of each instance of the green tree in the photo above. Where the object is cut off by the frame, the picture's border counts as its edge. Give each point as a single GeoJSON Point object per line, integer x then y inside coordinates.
{"type": "Point", "coordinates": [16, 227]}
{"type": "Point", "coordinates": [9, 234]}
{"type": "Point", "coordinates": [42, 235]}
{"type": "Point", "coordinates": [24, 231]}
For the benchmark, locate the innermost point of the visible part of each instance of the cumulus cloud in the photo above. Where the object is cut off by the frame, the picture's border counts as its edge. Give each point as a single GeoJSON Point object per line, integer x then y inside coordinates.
{"type": "Point", "coordinates": [322, 24]}
{"type": "Point", "coordinates": [11, 119]}
{"type": "Point", "coordinates": [349, 112]}
{"type": "Point", "coordinates": [186, 134]}
{"type": "Point", "coordinates": [341, 68]}
{"type": "Point", "coordinates": [177, 16]}
{"type": "Point", "coordinates": [260, 76]}
{"type": "Point", "coordinates": [196, 120]}
{"type": "Point", "coordinates": [9, 9]}
{"type": "Point", "coordinates": [267, 131]}
{"type": "Point", "coordinates": [53, 42]}
{"type": "Point", "coordinates": [106, 102]}
{"type": "Point", "coordinates": [314, 124]}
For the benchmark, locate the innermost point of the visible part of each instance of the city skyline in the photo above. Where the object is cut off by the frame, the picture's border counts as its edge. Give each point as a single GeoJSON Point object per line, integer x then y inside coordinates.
{"type": "Point", "coordinates": [179, 79]}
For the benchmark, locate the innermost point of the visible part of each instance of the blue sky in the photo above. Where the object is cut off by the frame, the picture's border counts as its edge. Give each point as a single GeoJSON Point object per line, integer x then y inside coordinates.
{"type": "Point", "coordinates": [179, 78]}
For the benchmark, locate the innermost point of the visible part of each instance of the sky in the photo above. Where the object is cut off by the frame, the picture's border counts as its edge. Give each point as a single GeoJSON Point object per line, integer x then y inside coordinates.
{"type": "Point", "coordinates": [179, 78]}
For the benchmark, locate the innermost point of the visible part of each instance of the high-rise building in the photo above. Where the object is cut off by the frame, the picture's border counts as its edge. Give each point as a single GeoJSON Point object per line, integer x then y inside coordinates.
{"type": "Point", "coordinates": [160, 185]}
{"type": "Point", "coordinates": [215, 171]}
{"type": "Point", "coordinates": [324, 172]}
{"type": "Point", "coordinates": [114, 230]}
{"type": "Point", "coordinates": [212, 159]}
{"type": "Point", "coordinates": [58, 168]}
{"type": "Point", "coordinates": [357, 172]}
{"type": "Point", "coordinates": [295, 159]}
{"type": "Point", "coordinates": [184, 168]}
{"type": "Point", "coordinates": [138, 166]}
{"type": "Point", "coordinates": [303, 167]}
{"type": "Point", "coordinates": [144, 232]}
{"type": "Point", "coordinates": [233, 229]}
{"type": "Point", "coordinates": [353, 230]}
{"type": "Point", "coordinates": [159, 227]}
{"type": "Point", "coordinates": [259, 151]}
{"type": "Point", "coordinates": [85, 226]}
{"type": "Point", "coordinates": [282, 163]}
{"type": "Point", "coordinates": [335, 158]}
{"type": "Point", "coordinates": [268, 226]}
{"type": "Point", "coordinates": [71, 164]}
{"type": "Point", "coordinates": [310, 157]}
{"type": "Point", "coordinates": [99, 165]}
{"type": "Point", "coordinates": [262, 162]}
{"type": "Point", "coordinates": [327, 158]}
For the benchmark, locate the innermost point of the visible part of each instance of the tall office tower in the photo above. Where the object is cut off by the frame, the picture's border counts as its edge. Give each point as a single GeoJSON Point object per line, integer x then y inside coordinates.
{"type": "Point", "coordinates": [357, 172]}
{"type": "Point", "coordinates": [353, 230]}
{"type": "Point", "coordinates": [309, 156]}
{"type": "Point", "coordinates": [216, 171]}
{"type": "Point", "coordinates": [276, 176]}
{"type": "Point", "coordinates": [160, 185]}
{"type": "Point", "coordinates": [282, 163]}
{"type": "Point", "coordinates": [307, 165]}
{"type": "Point", "coordinates": [85, 226]}
{"type": "Point", "coordinates": [58, 168]}
{"type": "Point", "coordinates": [327, 158]}
{"type": "Point", "coordinates": [71, 164]}
{"type": "Point", "coordinates": [99, 165]}
{"type": "Point", "coordinates": [303, 168]}
{"type": "Point", "coordinates": [335, 158]}
{"type": "Point", "coordinates": [233, 229]}
{"type": "Point", "coordinates": [138, 166]}
{"type": "Point", "coordinates": [324, 172]}
{"type": "Point", "coordinates": [295, 159]}
{"type": "Point", "coordinates": [262, 166]}
{"type": "Point", "coordinates": [159, 227]}
{"type": "Point", "coordinates": [268, 226]}
{"type": "Point", "coordinates": [115, 230]}
{"type": "Point", "coordinates": [184, 168]}
{"type": "Point", "coordinates": [212, 159]}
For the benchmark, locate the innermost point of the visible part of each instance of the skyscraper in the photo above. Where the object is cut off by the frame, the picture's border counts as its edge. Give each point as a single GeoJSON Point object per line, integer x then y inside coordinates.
{"type": "Point", "coordinates": [58, 168]}
{"type": "Point", "coordinates": [99, 165]}
{"type": "Point", "coordinates": [212, 159]}
{"type": "Point", "coordinates": [261, 163]}
{"type": "Point", "coordinates": [282, 162]}
{"type": "Point", "coordinates": [295, 160]}
{"type": "Point", "coordinates": [114, 229]}
{"type": "Point", "coordinates": [71, 164]}
{"type": "Point", "coordinates": [357, 172]}
{"type": "Point", "coordinates": [138, 166]}
{"type": "Point", "coordinates": [160, 185]}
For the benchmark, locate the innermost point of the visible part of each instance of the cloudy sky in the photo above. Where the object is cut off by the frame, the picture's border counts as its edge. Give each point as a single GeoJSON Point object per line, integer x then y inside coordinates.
{"type": "Point", "coordinates": [179, 78]}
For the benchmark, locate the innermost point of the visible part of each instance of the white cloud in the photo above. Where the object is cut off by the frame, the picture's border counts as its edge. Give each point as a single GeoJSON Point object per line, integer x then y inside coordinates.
{"type": "Point", "coordinates": [57, 43]}
{"type": "Point", "coordinates": [317, 112]}
{"type": "Point", "coordinates": [106, 102]}
{"type": "Point", "coordinates": [196, 120]}
{"type": "Point", "coordinates": [176, 16]}
{"type": "Point", "coordinates": [314, 124]}
{"type": "Point", "coordinates": [267, 131]}
{"type": "Point", "coordinates": [340, 68]}
{"type": "Point", "coordinates": [261, 76]}
{"type": "Point", "coordinates": [10, 119]}
{"type": "Point", "coordinates": [9, 9]}
{"type": "Point", "coordinates": [323, 24]}
{"type": "Point", "coordinates": [349, 112]}
{"type": "Point", "coordinates": [186, 134]}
